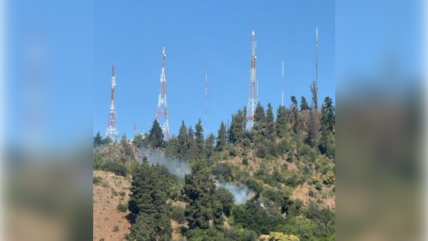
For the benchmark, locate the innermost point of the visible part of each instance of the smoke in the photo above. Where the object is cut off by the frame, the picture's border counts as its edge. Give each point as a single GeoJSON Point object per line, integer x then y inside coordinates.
{"type": "Point", "coordinates": [181, 167]}
{"type": "Point", "coordinates": [175, 166]}
{"type": "Point", "coordinates": [241, 193]}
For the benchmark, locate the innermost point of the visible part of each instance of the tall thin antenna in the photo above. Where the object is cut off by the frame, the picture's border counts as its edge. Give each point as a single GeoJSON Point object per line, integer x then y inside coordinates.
{"type": "Point", "coordinates": [252, 100]}
{"type": "Point", "coordinates": [111, 131]}
{"type": "Point", "coordinates": [206, 100]}
{"type": "Point", "coordinates": [162, 103]}
{"type": "Point", "coordinates": [316, 61]}
{"type": "Point", "coordinates": [282, 79]}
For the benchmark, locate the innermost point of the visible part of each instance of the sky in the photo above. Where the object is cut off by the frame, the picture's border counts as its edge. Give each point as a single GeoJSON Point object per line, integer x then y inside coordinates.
{"type": "Point", "coordinates": [202, 35]}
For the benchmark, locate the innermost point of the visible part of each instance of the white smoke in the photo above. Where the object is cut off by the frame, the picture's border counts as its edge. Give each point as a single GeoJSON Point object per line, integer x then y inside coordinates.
{"type": "Point", "coordinates": [175, 166]}
{"type": "Point", "coordinates": [240, 193]}
{"type": "Point", "coordinates": [180, 168]}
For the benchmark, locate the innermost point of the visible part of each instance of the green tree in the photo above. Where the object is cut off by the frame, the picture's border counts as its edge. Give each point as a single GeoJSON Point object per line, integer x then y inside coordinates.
{"type": "Point", "coordinates": [313, 128]}
{"type": "Point", "coordinates": [226, 199]}
{"type": "Point", "coordinates": [314, 91]}
{"type": "Point", "coordinates": [209, 145]}
{"type": "Point", "coordinates": [328, 114]}
{"type": "Point", "coordinates": [295, 120]}
{"type": "Point", "coordinates": [281, 122]}
{"type": "Point", "coordinates": [221, 137]}
{"type": "Point", "coordinates": [270, 124]}
{"type": "Point", "coordinates": [199, 136]}
{"type": "Point", "coordinates": [98, 140]}
{"type": "Point", "coordinates": [259, 126]}
{"type": "Point", "coordinates": [156, 135]}
{"type": "Point", "coordinates": [237, 128]}
{"type": "Point", "coordinates": [183, 142]}
{"type": "Point", "coordinates": [304, 104]}
{"type": "Point", "coordinates": [199, 190]}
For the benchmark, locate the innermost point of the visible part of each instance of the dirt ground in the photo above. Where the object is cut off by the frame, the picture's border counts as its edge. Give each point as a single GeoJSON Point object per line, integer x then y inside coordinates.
{"type": "Point", "coordinates": [106, 196]}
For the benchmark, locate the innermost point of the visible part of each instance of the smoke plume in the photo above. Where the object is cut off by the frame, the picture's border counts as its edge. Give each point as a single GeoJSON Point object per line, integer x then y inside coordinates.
{"type": "Point", "coordinates": [175, 166]}
{"type": "Point", "coordinates": [239, 192]}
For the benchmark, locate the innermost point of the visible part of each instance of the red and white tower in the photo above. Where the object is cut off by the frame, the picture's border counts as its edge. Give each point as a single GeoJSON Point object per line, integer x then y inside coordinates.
{"type": "Point", "coordinates": [252, 100]}
{"type": "Point", "coordinates": [162, 103]}
{"type": "Point", "coordinates": [112, 132]}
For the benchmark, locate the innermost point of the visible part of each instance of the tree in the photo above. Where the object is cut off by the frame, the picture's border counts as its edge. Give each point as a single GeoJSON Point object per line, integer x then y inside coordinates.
{"type": "Point", "coordinates": [295, 120]}
{"type": "Point", "coordinates": [183, 142]}
{"type": "Point", "coordinates": [328, 114]}
{"type": "Point", "coordinates": [304, 104]}
{"type": "Point", "coordinates": [313, 128]}
{"type": "Point", "coordinates": [199, 190]}
{"type": "Point", "coordinates": [98, 140]}
{"type": "Point", "coordinates": [259, 126]}
{"type": "Point", "coordinates": [150, 184]}
{"type": "Point", "coordinates": [199, 135]}
{"type": "Point", "coordinates": [226, 198]}
{"type": "Point", "coordinates": [237, 129]}
{"type": "Point", "coordinates": [281, 122]}
{"type": "Point", "coordinates": [156, 135]}
{"type": "Point", "coordinates": [314, 91]}
{"type": "Point", "coordinates": [221, 137]}
{"type": "Point", "coordinates": [209, 145]}
{"type": "Point", "coordinates": [270, 123]}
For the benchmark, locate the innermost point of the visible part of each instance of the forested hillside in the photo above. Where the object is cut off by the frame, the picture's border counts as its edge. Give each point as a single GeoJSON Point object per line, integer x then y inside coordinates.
{"type": "Point", "coordinates": [275, 182]}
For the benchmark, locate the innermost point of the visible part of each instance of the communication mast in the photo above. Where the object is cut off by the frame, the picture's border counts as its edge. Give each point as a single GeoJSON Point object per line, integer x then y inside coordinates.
{"type": "Point", "coordinates": [162, 111]}
{"type": "Point", "coordinates": [282, 79]}
{"type": "Point", "coordinates": [206, 100]}
{"type": "Point", "coordinates": [112, 131]}
{"type": "Point", "coordinates": [252, 100]}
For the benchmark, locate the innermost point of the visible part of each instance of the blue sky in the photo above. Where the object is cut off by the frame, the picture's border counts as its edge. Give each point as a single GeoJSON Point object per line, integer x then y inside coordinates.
{"type": "Point", "coordinates": [202, 34]}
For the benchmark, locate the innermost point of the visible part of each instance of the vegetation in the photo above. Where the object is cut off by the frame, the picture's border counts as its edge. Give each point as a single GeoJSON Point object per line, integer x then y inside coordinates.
{"type": "Point", "coordinates": [287, 161]}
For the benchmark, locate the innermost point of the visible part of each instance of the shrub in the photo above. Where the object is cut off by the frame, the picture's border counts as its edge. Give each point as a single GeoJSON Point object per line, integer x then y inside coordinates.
{"type": "Point", "coordinates": [122, 208]}
{"type": "Point", "coordinates": [116, 228]}
{"type": "Point", "coordinates": [178, 214]}
{"type": "Point", "coordinates": [311, 193]}
{"type": "Point", "coordinates": [245, 161]}
{"type": "Point", "coordinates": [318, 186]}
{"type": "Point", "coordinates": [97, 180]}
{"type": "Point", "coordinates": [232, 152]}
{"type": "Point", "coordinates": [122, 194]}
{"type": "Point", "coordinates": [116, 168]}
{"type": "Point", "coordinates": [261, 151]}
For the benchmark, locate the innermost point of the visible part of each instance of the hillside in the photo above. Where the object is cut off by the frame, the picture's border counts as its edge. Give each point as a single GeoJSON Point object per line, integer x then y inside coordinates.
{"type": "Point", "coordinates": [274, 182]}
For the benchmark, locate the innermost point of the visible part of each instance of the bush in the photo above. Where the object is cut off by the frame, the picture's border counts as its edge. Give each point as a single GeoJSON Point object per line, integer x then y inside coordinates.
{"type": "Point", "coordinates": [178, 214]}
{"type": "Point", "coordinates": [116, 228]}
{"type": "Point", "coordinates": [245, 161]}
{"type": "Point", "coordinates": [261, 151]}
{"type": "Point", "coordinates": [122, 194]}
{"type": "Point", "coordinates": [232, 152]}
{"type": "Point", "coordinates": [122, 208]}
{"type": "Point", "coordinates": [318, 186]}
{"type": "Point", "coordinates": [311, 193]}
{"type": "Point", "coordinates": [97, 180]}
{"type": "Point", "coordinates": [116, 168]}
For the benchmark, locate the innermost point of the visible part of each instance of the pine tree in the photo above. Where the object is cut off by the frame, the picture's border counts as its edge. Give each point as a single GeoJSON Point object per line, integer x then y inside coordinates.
{"type": "Point", "coordinates": [98, 140]}
{"type": "Point", "coordinates": [313, 128]}
{"type": "Point", "coordinates": [183, 141]}
{"type": "Point", "coordinates": [304, 105]}
{"type": "Point", "coordinates": [237, 129]}
{"type": "Point", "coordinates": [209, 145]}
{"type": "Point", "coordinates": [295, 120]}
{"type": "Point", "coordinates": [221, 137]}
{"type": "Point", "coordinates": [156, 135]}
{"type": "Point", "coordinates": [259, 126]}
{"type": "Point", "coordinates": [199, 189]}
{"type": "Point", "coordinates": [270, 123]}
{"type": "Point", "coordinates": [328, 114]}
{"type": "Point", "coordinates": [281, 122]}
{"type": "Point", "coordinates": [199, 135]}
{"type": "Point", "coordinates": [314, 91]}
{"type": "Point", "coordinates": [192, 153]}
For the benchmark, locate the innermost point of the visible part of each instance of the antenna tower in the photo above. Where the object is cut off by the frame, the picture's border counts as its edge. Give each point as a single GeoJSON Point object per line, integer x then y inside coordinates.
{"type": "Point", "coordinates": [112, 132]}
{"type": "Point", "coordinates": [162, 111]}
{"type": "Point", "coordinates": [252, 100]}
{"type": "Point", "coordinates": [282, 79]}
{"type": "Point", "coordinates": [206, 99]}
